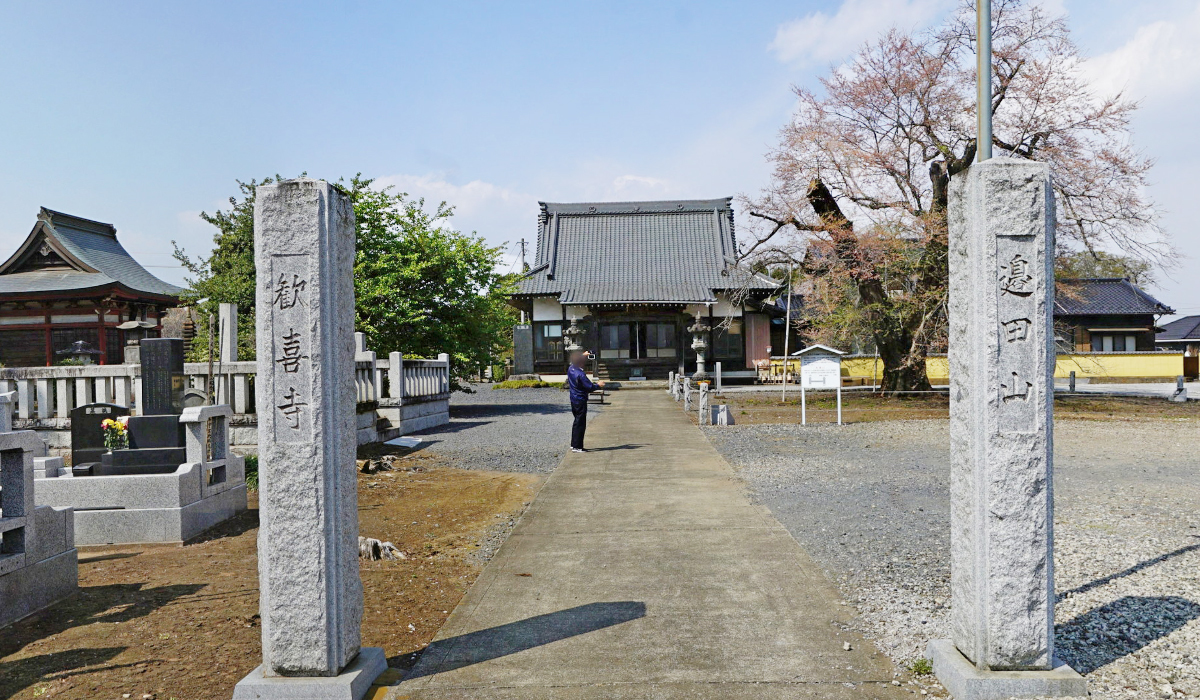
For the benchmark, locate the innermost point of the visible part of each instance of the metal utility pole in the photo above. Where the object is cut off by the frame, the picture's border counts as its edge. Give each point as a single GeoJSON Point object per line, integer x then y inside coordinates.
{"type": "Point", "coordinates": [787, 331]}
{"type": "Point", "coordinates": [983, 67]}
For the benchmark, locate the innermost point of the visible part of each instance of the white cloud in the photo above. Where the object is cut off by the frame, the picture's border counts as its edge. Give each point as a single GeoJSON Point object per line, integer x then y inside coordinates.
{"type": "Point", "coordinates": [1162, 60]}
{"type": "Point", "coordinates": [499, 214]}
{"type": "Point", "coordinates": [820, 37]}
{"type": "Point", "coordinates": [635, 187]}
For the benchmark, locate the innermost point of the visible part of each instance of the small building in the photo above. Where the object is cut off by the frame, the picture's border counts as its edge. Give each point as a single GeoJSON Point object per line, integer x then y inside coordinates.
{"type": "Point", "coordinates": [634, 276]}
{"type": "Point", "coordinates": [72, 280]}
{"type": "Point", "coordinates": [1105, 315]}
{"type": "Point", "coordinates": [1182, 334]}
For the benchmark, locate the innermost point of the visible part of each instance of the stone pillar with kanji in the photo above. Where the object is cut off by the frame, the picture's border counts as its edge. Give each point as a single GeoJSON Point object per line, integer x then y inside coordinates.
{"type": "Point", "coordinates": [1002, 355]}
{"type": "Point", "coordinates": [311, 596]}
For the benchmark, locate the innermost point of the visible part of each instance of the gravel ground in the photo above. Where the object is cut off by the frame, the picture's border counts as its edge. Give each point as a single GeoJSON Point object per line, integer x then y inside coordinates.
{"type": "Point", "coordinates": [871, 503]}
{"type": "Point", "coordinates": [514, 430]}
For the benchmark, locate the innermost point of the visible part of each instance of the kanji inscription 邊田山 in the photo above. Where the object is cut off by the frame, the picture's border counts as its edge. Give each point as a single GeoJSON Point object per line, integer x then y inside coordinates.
{"type": "Point", "coordinates": [1016, 329]}
{"type": "Point", "coordinates": [1015, 278]}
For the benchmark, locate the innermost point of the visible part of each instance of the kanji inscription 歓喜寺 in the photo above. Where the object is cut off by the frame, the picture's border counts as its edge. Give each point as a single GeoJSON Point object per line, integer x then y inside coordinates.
{"type": "Point", "coordinates": [287, 293]}
{"type": "Point", "coordinates": [292, 352]}
{"type": "Point", "coordinates": [291, 408]}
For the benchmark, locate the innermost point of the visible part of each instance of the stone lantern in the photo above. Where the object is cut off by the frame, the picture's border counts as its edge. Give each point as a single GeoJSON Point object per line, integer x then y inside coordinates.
{"type": "Point", "coordinates": [81, 351]}
{"type": "Point", "coordinates": [573, 334]}
{"type": "Point", "coordinates": [699, 331]}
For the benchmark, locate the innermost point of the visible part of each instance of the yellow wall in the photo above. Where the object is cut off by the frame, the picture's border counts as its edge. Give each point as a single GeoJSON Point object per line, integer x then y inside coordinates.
{"type": "Point", "coordinates": [1092, 365]}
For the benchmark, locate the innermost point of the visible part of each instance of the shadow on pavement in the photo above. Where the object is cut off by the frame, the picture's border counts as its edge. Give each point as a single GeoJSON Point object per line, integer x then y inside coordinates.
{"type": "Point", "coordinates": [494, 642]}
{"type": "Point", "coordinates": [615, 447]}
{"type": "Point", "coordinates": [1102, 635]}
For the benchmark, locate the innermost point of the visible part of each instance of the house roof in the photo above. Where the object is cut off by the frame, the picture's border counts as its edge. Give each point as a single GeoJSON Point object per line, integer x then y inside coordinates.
{"type": "Point", "coordinates": [65, 253]}
{"type": "Point", "coordinates": [1104, 296]}
{"type": "Point", "coordinates": [1180, 330]}
{"type": "Point", "coordinates": [680, 251]}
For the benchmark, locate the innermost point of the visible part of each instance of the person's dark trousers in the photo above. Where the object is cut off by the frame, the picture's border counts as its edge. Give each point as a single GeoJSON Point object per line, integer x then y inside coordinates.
{"type": "Point", "coordinates": [579, 410]}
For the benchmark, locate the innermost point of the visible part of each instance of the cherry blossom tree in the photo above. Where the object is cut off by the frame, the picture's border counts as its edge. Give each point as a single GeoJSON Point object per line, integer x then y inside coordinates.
{"type": "Point", "coordinates": [859, 194]}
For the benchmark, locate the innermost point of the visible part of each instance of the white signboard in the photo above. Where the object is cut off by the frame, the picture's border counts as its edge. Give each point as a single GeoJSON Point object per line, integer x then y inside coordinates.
{"type": "Point", "coordinates": [820, 371]}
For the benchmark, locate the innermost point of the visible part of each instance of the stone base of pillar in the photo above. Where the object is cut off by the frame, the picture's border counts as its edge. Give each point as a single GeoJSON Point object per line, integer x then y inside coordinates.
{"type": "Point", "coordinates": [351, 684]}
{"type": "Point", "coordinates": [965, 682]}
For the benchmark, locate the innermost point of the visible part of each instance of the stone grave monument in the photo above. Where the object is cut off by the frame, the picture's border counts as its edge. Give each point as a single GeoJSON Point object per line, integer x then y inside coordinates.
{"type": "Point", "coordinates": [39, 565]}
{"type": "Point", "coordinates": [87, 437]}
{"type": "Point", "coordinates": [162, 487]}
{"type": "Point", "coordinates": [310, 593]}
{"type": "Point", "coordinates": [1001, 400]}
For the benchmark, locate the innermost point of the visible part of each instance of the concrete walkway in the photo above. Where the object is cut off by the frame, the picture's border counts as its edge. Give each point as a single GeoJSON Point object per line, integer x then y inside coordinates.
{"type": "Point", "coordinates": [642, 570]}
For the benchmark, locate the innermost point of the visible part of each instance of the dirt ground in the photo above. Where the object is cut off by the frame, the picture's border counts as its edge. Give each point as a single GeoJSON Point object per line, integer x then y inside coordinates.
{"type": "Point", "coordinates": [181, 622]}
{"type": "Point", "coordinates": [864, 407]}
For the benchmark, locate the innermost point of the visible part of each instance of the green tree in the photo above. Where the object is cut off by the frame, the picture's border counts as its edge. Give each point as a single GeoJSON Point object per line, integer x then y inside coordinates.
{"type": "Point", "coordinates": [227, 274]}
{"type": "Point", "coordinates": [421, 288]}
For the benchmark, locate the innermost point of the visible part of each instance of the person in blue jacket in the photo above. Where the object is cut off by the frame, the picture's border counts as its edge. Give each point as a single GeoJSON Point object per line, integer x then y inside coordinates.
{"type": "Point", "coordinates": [580, 386]}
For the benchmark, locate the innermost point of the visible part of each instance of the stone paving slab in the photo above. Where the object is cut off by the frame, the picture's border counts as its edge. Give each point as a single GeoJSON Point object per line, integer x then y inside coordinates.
{"type": "Point", "coordinates": [645, 572]}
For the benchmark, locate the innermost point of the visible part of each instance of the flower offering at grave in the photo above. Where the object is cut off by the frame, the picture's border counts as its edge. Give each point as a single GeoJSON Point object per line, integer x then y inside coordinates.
{"type": "Point", "coordinates": [116, 434]}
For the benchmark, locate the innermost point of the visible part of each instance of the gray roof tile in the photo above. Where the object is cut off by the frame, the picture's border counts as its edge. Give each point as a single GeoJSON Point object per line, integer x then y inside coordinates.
{"type": "Point", "coordinates": [94, 246]}
{"type": "Point", "coordinates": [1104, 296]}
{"type": "Point", "coordinates": [657, 252]}
{"type": "Point", "coordinates": [1186, 328]}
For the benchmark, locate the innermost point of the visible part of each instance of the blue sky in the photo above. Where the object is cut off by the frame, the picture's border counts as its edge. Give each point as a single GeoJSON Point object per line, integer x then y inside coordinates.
{"type": "Point", "coordinates": [144, 114]}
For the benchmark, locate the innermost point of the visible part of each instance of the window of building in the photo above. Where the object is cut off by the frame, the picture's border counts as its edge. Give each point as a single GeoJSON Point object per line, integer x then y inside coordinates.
{"type": "Point", "coordinates": [548, 342]}
{"type": "Point", "coordinates": [616, 341]}
{"type": "Point", "coordinates": [660, 339]}
{"type": "Point", "coordinates": [1114, 343]}
{"type": "Point", "coordinates": [729, 342]}
{"type": "Point", "coordinates": [113, 348]}
{"type": "Point", "coordinates": [23, 348]}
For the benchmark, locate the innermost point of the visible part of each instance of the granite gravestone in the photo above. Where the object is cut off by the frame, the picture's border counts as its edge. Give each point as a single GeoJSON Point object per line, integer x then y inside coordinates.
{"type": "Point", "coordinates": [1001, 398]}
{"type": "Point", "coordinates": [87, 437]}
{"type": "Point", "coordinates": [162, 377]}
{"type": "Point", "coordinates": [311, 597]}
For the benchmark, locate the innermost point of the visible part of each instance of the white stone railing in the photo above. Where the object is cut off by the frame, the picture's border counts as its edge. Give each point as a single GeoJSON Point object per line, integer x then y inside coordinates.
{"type": "Point", "coordinates": [51, 392]}
{"type": "Point", "coordinates": [46, 393]}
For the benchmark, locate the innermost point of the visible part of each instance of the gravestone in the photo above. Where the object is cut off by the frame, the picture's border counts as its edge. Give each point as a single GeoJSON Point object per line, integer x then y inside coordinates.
{"type": "Point", "coordinates": [1001, 398]}
{"type": "Point", "coordinates": [311, 596]}
{"type": "Point", "coordinates": [87, 437]}
{"type": "Point", "coordinates": [162, 376]}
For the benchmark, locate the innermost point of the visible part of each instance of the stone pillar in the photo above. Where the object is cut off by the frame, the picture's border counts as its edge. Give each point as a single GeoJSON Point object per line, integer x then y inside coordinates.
{"type": "Point", "coordinates": [671, 383]}
{"type": "Point", "coordinates": [1002, 391]}
{"type": "Point", "coordinates": [227, 314]}
{"type": "Point", "coordinates": [705, 417]}
{"type": "Point", "coordinates": [311, 597]}
{"type": "Point", "coordinates": [687, 394]}
{"type": "Point", "coordinates": [717, 377]}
